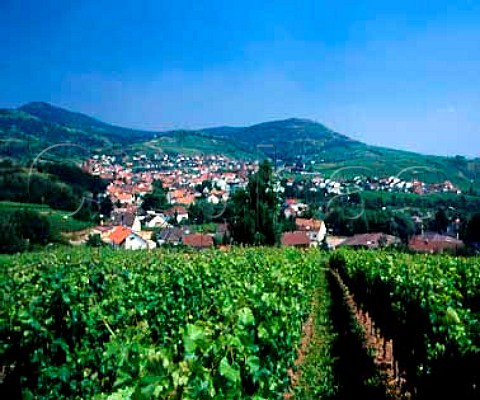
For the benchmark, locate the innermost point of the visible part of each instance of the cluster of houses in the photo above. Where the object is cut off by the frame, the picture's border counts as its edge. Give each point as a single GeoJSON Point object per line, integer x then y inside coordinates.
{"type": "Point", "coordinates": [131, 235]}
{"type": "Point", "coordinates": [214, 178]}
{"type": "Point", "coordinates": [397, 185]}
{"type": "Point", "coordinates": [308, 233]}
{"type": "Point", "coordinates": [183, 176]}
{"type": "Point", "coordinates": [429, 242]}
{"type": "Point", "coordinates": [135, 232]}
{"type": "Point", "coordinates": [130, 238]}
{"type": "Point", "coordinates": [335, 187]}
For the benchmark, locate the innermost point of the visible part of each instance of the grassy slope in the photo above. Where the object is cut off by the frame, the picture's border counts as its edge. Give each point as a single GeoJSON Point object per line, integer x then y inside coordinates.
{"type": "Point", "coordinates": [61, 220]}
{"type": "Point", "coordinates": [192, 143]}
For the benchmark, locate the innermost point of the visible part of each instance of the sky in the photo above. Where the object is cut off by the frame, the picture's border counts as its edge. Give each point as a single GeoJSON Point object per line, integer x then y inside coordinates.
{"type": "Point", "coordinates": [402, 74]}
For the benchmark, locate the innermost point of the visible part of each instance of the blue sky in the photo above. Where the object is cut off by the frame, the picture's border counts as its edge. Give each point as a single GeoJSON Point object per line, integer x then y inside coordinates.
{"type": "Point", "coordinates": [403, 74]}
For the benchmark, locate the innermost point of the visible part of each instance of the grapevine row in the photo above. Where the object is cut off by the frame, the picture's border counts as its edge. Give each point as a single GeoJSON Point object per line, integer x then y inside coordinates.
{"type": "Point", "coordinates": [428, 306]}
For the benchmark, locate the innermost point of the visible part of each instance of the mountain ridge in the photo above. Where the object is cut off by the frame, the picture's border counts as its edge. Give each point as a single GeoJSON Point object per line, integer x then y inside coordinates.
{"type": "Point", "coordinates": [28, 129]}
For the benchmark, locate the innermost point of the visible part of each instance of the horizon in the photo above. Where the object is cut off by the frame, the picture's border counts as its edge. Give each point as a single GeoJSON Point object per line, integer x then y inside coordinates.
{"type": "Point", "coordinates": [402, 76]}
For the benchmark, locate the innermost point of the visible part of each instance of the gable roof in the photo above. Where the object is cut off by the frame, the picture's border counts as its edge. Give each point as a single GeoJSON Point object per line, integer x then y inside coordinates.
{"type": "Point", "coordinates": [198, 240]}
{"type": "Point", "coordinates": [296, 238]}
{"type": "Point", "coordinates": [119, 234]}
{"type": "Point", "coordinates": [170, 235]}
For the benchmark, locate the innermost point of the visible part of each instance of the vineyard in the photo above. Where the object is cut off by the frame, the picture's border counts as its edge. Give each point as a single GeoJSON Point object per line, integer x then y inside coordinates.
{"type": "Point", "coordinates": [77, 324]}
{"type": "Point", "coordinates": [429, 308]}
{"type": "Point", "coordinates": [250, 323]}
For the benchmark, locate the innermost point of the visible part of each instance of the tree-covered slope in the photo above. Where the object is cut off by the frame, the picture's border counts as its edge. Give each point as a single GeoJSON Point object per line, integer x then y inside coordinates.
{"type": "Point", "coordinates": [289, 138]}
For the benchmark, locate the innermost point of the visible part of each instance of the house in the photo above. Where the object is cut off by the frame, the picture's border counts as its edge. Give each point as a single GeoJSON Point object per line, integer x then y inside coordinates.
{"type": "Point", "coordinates": [118, 235]}
{"type": "Point", "coordinates": [295, 239]}
{"type": "Point", "coordinates": [147, 236]}
{"type": "Point", "coordinates": [434, 243]}
{"type": "Point", "coordinates": [198, 240]}
{"type": "Point", "coordinates": [124, 198]}
{"type": "Point", "coordinates": [335, 241]}
{"type": "Point", "coordinates": [187, 200]}
{"type": "Point", "coordinates": [136, 242]}
{"type": "Point", "coordinates": [370, 240]}
{"type": "Point", "coordinates": [170, 236]}
{"type": "Point", "coordinates": [103, 232]}
{"type": "Point", "coordinates": [180, 196]}
{"type": "Point", "coordinates": [292, 207]}
{"type": "Point", "coordinates": [315, 228]}
{"type": "Point", "coordinates": [122, 236]}
{"type": "Point", "coordinates": [289, 212]}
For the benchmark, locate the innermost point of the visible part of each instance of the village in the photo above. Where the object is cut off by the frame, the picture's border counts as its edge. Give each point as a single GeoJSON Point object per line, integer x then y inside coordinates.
{"type": "Point", "coordinates": [213, 179]}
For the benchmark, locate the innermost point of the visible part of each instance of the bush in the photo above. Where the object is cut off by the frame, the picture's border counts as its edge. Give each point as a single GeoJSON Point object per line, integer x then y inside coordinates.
{"type": "Point", "coordinates": [21, 229]}
{"type": "Point", "coordinates": [94, 241]}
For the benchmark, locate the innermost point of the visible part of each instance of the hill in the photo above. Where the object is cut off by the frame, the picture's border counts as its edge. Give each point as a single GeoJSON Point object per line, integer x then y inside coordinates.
{"type": "Point", "coordinates": [191, 143]}
{"type": "Point", "coordinates": [290, 138]}
{"type": "Point", "coordinates": [33, 127]}
{"type": "Point", "coordinates": [27, 130]}
{"type": "Point", "coordinates": [59, 116]}
{"type": "Point", "coordinates": [330, 152]}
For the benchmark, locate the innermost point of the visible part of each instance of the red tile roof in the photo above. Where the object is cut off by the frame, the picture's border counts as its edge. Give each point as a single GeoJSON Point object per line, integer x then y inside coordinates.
{"type": "Point", "coordinates": [297, 238]}
{"type": "Point", "coordinates": [198, 240]}
{"type": "Point", "coordinates": [434, 243]}
{"type": "Point", "coordinates": [119, 234]}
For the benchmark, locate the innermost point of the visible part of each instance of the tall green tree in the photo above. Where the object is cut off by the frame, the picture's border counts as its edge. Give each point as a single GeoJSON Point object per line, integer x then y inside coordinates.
{"type": "Point", "coordinates": [106, 206]}
{"type": "Point", "coordinates": [440, 223]}
{"type": "Point", "coordinates": [255, 209]}
{"type": "Point", "coordinates": [402, 226]}
{"type": "Point", "coordinates": [472, 233]}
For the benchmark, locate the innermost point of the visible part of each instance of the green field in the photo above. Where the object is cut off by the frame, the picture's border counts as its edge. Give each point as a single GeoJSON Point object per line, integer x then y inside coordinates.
{"type": "Point", "coordinates": [250, 323]}
{"type": "Point", "coordinates": [59, 220]}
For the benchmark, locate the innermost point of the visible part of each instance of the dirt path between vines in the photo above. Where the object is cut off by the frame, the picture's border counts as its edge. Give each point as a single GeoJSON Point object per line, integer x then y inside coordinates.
{"type": "Point", "coordinates": [307, 335]}
{"type": "Point", "coordinates": [384, 360]}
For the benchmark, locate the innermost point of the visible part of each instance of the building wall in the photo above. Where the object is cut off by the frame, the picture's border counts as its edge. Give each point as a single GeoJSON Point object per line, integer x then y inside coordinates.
{"type": "Point", "coordinates": [133, 242]}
